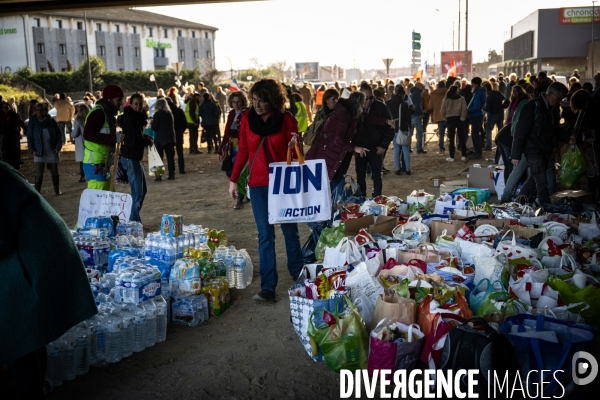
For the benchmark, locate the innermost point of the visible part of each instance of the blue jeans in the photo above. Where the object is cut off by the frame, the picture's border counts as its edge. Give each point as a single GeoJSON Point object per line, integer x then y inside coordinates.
{"type": "Point", "coordinates": [476, 133]}
{"type": "Point", "coordinates": [405, 152]}
{"type": "Point", "coordinates": [266, 241]}
{"type": "Point", "coordinates": [493, 120]}
{"type": "Point", "coordinates": [137, 182]}
{"type": "Point", "coordinates": [514, 178]}
{"type": "Point", "coordinates": [441, 132]}
{"type": "Point", "coordinates": [417, 124]}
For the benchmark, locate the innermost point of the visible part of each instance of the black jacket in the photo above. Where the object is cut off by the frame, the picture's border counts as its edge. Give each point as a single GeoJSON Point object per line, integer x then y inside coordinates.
{"type": "Point", "coordinates": [467, 93]}
{"type": "Point", "coordinates": [537, 129]}
{"type": "Point", "coordinates": [542, 87]}
{"type": "Point", "coordinates": [495, 102]}
{"type": "Point", "coordinates": [394, 105]}
{"type": "Point", "coordinates": [162, 123]}
{"type": "Point", "coordinates": [179, 121]}
{"type": "Point", "coordinates": [133, 123]}
{"type": "Point", "coordinates": [373, 129]}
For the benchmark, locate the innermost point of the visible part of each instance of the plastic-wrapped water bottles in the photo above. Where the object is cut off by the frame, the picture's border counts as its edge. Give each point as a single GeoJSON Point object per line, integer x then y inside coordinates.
{"type": "Point", "coordinates": [127, 332]}
{"type": "Point", "coordinates": [139, 328]}
{"type": "Point", "coordinates": [55, 368]}
{"type": "Point", "coordinates": [114, 323]}
{"type": "Point", "coordinates": [82, 352]}
{"type": "Point", "coordinates": [161, 318]}
{"type": "Point", "coordinates": [99, 322]}
{"type": "Point", "coordinates": [241, 281]}
{"type": "Point", "coordinates": [165, 291]}
{"type": "Point", "coordinates": [150, 323]}
{"type": "Point", "coordinates": [70, 362]}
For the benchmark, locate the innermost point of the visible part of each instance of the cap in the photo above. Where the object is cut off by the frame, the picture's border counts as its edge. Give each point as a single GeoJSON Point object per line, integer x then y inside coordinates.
{"type": "Point", "coordinates": [112, 91]}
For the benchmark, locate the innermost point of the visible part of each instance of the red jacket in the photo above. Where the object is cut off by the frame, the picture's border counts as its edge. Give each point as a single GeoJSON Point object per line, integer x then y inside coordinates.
{"type": "Point", "coordinates": [274, 149]}
{"type": "Point", "coordinates": [334, 145]}
{"type": "Point", "coordinates": [229, 133]}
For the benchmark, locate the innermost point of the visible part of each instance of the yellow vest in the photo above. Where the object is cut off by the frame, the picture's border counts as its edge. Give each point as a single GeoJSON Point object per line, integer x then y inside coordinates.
{"type": "Point", "coordinates": [96, 153]}
{"type": "Point", "coordinates": [301, 116]}
{"type": "Point", "coordinates": [188, 117]}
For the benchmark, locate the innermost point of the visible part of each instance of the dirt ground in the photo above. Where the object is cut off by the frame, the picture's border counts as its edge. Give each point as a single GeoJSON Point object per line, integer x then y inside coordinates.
{"type": "Point", "coordinates": [250, 351]}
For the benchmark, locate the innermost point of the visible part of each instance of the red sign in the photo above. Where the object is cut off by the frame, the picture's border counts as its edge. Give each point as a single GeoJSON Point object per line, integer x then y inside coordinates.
{"type": "Point", "coordinates": [459, 61]}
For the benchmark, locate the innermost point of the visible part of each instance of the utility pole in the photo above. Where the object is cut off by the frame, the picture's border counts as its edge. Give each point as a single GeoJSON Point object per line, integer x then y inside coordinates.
{"type": "Point", "coordinates": [458, 48]}
{"type": "Point", "coordinates": [593, 19]}
{"type": "Point", "coordinates": [466, 63]}
{"type": "Point", "coordinates": [87, 51]}
{"type": "Point", "coordinates": [452, 35]}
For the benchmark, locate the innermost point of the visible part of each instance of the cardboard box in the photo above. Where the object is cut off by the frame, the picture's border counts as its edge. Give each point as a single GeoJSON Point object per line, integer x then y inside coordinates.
{"type": "Point", "coordinates": [482, 178]}
{"type": "Point", "coordinates": [383, 225]}
{"type": "Point", "coordinates": [450, 186]}
{"type": "Point", "coordinates": [580, 195]}
{"type": "Point", "coordinates": [436, 182]}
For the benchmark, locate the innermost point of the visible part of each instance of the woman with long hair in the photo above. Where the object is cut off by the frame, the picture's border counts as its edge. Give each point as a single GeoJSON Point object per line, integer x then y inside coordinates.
{"type": "Point", "coordinates": [330, 97]}
{"type": "Point", "coordinates": [77, 137]}
{"type": "Point", "coordinates": [173, 93]}
{"type": "Point", "coordinates": [163, 125]}
{"type": "Point", "coordinates": [237, 102]}
{"type": "Point", "coordinates": [266, 131]}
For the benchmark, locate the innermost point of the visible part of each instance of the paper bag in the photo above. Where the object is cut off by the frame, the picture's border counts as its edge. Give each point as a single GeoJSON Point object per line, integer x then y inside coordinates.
{"type": "Point", "coordinates": [395, 308]}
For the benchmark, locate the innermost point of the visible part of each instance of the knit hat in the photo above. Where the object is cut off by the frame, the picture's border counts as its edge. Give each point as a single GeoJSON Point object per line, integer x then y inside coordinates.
{"type": "Point", "coordinates": [112, 91]}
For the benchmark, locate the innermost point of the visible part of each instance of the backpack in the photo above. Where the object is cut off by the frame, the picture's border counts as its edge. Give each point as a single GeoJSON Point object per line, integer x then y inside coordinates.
{"type": "Point", "coordinates": [314, 130]}
{"type": "Point", "coordinates": [480, 347]}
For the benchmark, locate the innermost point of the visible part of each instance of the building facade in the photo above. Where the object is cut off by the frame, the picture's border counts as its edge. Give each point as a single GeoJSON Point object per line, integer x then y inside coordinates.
{"type": "Point", "coordinates": [125, 39]}
{"type": "Point", "coordinates": [554, 40]}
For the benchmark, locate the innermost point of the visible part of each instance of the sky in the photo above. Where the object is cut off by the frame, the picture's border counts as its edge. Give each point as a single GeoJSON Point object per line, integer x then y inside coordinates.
{"type": "Point", "coordinates": [352, 33]}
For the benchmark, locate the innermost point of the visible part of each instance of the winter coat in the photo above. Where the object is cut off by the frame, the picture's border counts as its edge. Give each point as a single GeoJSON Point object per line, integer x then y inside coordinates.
{"type": "Point", "coordinates": [535, 129]}
{"type": "Point", "coordinates": [35, 132]}
{"type": "Point", "coordinates": [495, 103]}
{"type": "Point", "coordinates": [274, 149]}
{"type": "Point", "coordinates": [334, 144]}
{"type": "Point", "coordinates": [77, 137]}
{"type": "Point", "coordinates": [435, 103]}
{"type": "Point", "coordinates": [134, 141]}
{"type": "Point", "coordinates": [426, 101]}
{"type": "Point", "coordinates": [210, 113]}
{"type": "Point", "coordinates": [164, 128]}
{"type": "Point", "coordinates": [230, 133]}
{"type": "Point", "coordinates": [475, 108]}
{"type": "Point", "coordinates": [64, 111]}
{"type": "Point", "coordinates": [374, 131]}
{"type": "Point", "coordinates": [454, 106]}
{"type": "Point", "coordinates": [179, 121]}
{"type": "Point", "coordinates": [394, 105]}
{"type": "Point", "coordinates": [44, 290]}
{"type": "Point", "coordinates": [417, 99]}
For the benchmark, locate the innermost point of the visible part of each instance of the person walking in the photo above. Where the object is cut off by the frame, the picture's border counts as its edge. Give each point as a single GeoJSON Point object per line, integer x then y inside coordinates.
{"type": "Point", "coordinates": [210, 114]}
{"type": "Point", "coordinates": [454, 111]}
{"type": "Point", "coordinates": [400, 111]}
{"type": "Point", "coordinates": [64, 114]}
{"type": "Point", "coordinates": [238, 102]}
{"type": "Point", "coordinates": [10, 135]}
{"type": "Point", "coordinates": [44, 141]}
{"type": "Point", "coordinates": [180, 125]}
{"type": "Point", "coordinates": [221, 99]}
{"type": "Point", "coordinates": [330, 97]}
{"type": "Point", "coordinates": [495, 104]}
{"type": "Point", "coordinates": [133, 121]}
{"type": "Point", "coordinates": [475, 113]}
{"type": "Point", "coordinates": [266, 131]}
{"type": "Point", "coordinates": [163, 126]}
{"type": "Point", "coordinates": [426, 117]}
{"type": "Point", "coordinates": [173, 94]}
{"type": "Point", "coordinates": [77, 137]}
{"type": "Point", "coordinates": [435, 105]}
{"type": "Point", "coordinates": [100, 133]}
{"type": "Point", "coordinates": [192, 116]}
{"type": "Point", "coordinates": [416, 119]}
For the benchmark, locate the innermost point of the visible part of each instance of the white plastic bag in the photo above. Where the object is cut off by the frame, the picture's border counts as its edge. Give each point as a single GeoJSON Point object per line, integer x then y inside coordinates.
{"type": "Point", "coordinates": [155, 163]}
{"type": "Point", "coordinates": [468, 250]}
{"type": "Point", "coordinates": [514, 250]}
{"type": "Point", "coordinates": [360, 281]}
{"type": "Point", "coordinates": [489, 268]}
{"type": "Point", "coordinates": [590, 230]}
{"type": "Point", "coordinates": [419, 196]}
{"type": "Point", "coordinates": [346, 252]}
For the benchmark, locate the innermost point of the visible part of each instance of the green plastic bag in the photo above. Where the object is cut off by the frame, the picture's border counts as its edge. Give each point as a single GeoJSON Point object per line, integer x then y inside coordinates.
{"type": "Point", "coordinates": [510, 306]}
{"type": "Point", "coordinates": [241, 182]}
{"type": "Point", "coordinates": [572, 294]}
{"type": "Point", "coordinates": [572, 167]}
{"type": "Point", "coordinates": [475, 195]}
{"type": "Point", "coordinates": [420, 208]}
{"type": "Point", "coordinates": [330, 237]}
{"type": "Point", "coordinates": [342, 337]}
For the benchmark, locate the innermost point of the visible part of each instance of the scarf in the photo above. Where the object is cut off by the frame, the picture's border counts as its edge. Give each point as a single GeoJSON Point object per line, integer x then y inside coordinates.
{"type": "Point", "coordinates": [261, 127]}
{"type": "Point", "coordinates": [45, 123]}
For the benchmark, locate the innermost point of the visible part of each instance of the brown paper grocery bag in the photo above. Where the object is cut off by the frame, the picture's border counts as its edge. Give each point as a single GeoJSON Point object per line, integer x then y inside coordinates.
{"type": "Point", "coordinates": [396, 308]}
{"type": "Point", "coordinates": [451, 226]}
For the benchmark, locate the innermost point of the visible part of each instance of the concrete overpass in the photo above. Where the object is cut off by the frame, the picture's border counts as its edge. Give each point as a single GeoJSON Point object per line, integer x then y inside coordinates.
{"type": "Point", "coordinates": [12, 7]}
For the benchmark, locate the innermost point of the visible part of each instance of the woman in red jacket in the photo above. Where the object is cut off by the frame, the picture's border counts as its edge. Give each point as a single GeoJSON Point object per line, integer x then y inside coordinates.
{"type": "Point", "coordinates": [266, 130]}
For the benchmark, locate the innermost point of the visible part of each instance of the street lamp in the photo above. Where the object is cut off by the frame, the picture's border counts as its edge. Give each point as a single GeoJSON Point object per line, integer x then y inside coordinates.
{"type": "Point", "coordinates": [230, 66]}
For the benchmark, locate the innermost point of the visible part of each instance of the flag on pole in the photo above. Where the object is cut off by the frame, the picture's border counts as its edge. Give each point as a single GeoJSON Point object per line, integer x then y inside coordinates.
{"type": "Point", "coordinates": [452, 69]}
{"type": "Point", "coordinates": [422, 71]}
{"type": "Point", "coordinates": [234, 87]}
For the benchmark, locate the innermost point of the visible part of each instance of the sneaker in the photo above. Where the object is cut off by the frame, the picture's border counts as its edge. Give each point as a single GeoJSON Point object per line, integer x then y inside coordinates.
{"type": "Point", "coordinates": [450, 159]}
{"type": "Point", "coordinates": [407, 172]}
{"type": "Point", "coordinates": [441, 152]}
{"type": "Point", "coordinates": [264, 296]}
{"type": "Point", "coordinates": [398, 172]}
{"type": "Point", "coordinates": [421, 151]}
{"type": "Point", "coordinates": [475, 156]}
{"type": "Point", "coordinates": [463, 158]}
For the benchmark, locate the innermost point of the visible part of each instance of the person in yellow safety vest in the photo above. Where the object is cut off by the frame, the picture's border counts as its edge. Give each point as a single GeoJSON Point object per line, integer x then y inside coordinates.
{"type": "Point", "coordinates": [192, 116]}
{"type": "Point", "coordinates": [99, 134]}
{"type": "Point", "coordinates": [301, 113]}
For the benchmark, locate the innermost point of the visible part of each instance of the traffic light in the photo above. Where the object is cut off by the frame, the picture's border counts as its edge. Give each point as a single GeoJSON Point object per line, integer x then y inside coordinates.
{"type": "Point", "coordinates": [416, 37]}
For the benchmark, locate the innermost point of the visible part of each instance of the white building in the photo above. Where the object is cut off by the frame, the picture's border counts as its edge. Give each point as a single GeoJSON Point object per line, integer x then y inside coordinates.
{"type": "Point", "coordinates": [125, 39]}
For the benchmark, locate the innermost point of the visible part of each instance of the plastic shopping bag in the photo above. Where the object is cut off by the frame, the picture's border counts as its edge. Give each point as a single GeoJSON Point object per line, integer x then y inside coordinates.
{"type": "Point", "coordinates": [156, 167]}
{"type": "Point", "coordinates": [572, 167]}
{"type": "Point", "coordinates": [330, 237]}
{"type": "Point", "coordinates": [394, 345]}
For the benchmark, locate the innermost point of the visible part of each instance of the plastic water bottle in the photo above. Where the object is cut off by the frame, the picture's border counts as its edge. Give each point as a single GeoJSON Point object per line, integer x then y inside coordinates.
{"type": "Point", "coordinates": [161, 318]}
{"type": "Point", "coordinates": [139, 328]}
{"type": "Point", "coordinates": [170, 250]}
{"type": "Point", "coordinates": [99, 323]}
{"type": "Point", "coordinates": [114, 323]}
{"type": "Point", "coordinates": [82, 352]}
{"type": "Point", "coordinates": [198, 312]}
{"type": "Point", "coordinates": [150, 323]}
{"type": "Point", "coordinates": [55, 369]}
{"type": "Point", "coordinates": [70, 362]}
{"type": "Point", "coordinates": [95, 232]}
{"type": "Point", "coordinates": [204, 306]}
{"type": "Point", "coordinates": [241, 282]}
{"type": "Point", "coordinates": [127, 331]}
{"type": "Point", "coordinates": [165, 291]}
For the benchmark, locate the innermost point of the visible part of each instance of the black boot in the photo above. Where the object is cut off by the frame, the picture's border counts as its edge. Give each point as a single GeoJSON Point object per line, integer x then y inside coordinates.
{"type": "Point", "coordinates": [55, 181]}
{"type": "Point", "coordinates": [38, 183]}
{"type": "Point", "coordinates": [171, 176]}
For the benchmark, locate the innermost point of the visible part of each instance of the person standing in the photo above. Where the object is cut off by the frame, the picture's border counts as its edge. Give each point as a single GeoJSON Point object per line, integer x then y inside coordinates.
{"type": "Point", "coordinates": [374, 133]}
{"type": "Point", "coordinates": [435, 105]}
{"type": "Point", "coordinates": [10, 135]}
{"type": "Point", "coordinates": [77, 137]}
{"type": "Point", "coordinates": [536, 132]}
{"type": "Point", "coordinates": [306, 98]}
{"type": "Point", "coordinates": [164, 127]}
{"type": "Point", "coordinates": [301, 113]}
{"type": "Point", "coordinates": [133, 121]}
{"type": "Point", "coordinates": [192, 116]}
{"type": "Point", "coordinates": [13, 104]}
{"type": "Point", "coordinates": [210, 114]}
{"type": "Point", "coordinates": [173, 94]}
{"type": "Point", "coordinates": [454, 112]}
{"type": "Point", "coordinates": [400, 111]}
{"type": "Point", "coordinates": [44, 141]}
{"type": "Point", "coordinates": [543, 83]}
{"type": "Point", "coordinates": [475, 113]}
{"type": "Point", "coordinates": [330, 97]}
{"type": "Point", "coordinates": [495, 104]}
{"type": "Point", "coordinates": [221, 99]}
{"type": "Point", "coordinates": [100, 133]}
{"type": "Point", "coordinates": [266, 131]}
{"type": "Point", "coordinates": [416, 119]}
{"type": "Point", "coordinates": [64, 114]}
{"type": "Point", "coordinates": [180, 125]}
{"type": "Point", "coordinates": [426, 114]}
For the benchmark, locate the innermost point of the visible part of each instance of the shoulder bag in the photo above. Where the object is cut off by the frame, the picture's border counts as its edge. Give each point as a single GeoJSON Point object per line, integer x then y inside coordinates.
{"type": "Point", "coordinates": [402, 139]}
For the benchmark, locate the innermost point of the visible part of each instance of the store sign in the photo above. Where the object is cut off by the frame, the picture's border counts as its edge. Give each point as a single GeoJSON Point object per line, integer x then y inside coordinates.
{"type": "Point", "coordinates": [151, 43]}
{"type": "Point", "coordinates": [578, 15]}
{"type": "Point", "coordinates": [8, 31]}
